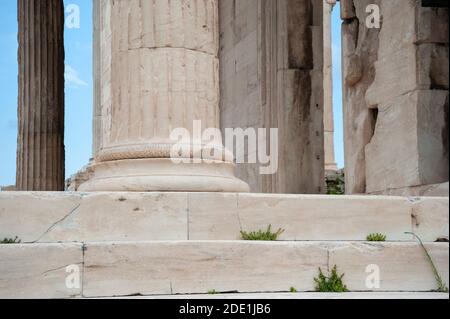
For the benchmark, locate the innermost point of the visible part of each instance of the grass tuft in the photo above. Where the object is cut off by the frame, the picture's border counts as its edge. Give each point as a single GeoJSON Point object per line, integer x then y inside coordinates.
{"type": "Point", "coordinates": [266, 235]}
{"type": "Point", "coordinates": [442, 287]}
{"type": "Point", "coordinates": [376, 237]}
{"type": "Point", "coordinates": [10, 241]}
{"type": "Point", "coordinates": [333, 283]}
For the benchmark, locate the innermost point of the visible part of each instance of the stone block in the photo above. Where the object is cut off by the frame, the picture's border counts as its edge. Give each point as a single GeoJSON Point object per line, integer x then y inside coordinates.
{"type": "Point", "coordinates": [213, 216]}
{"type": "Point", "coordinates": [410, 143]}
{"type": "Point", "coordinates": [198, 267]}
{"type": "Point", "coordinates": [326, 217]}
{"type": "Point", "coordinates": [402, 266]}
{"type": "Point", "coordinates": [433, 136]}
{"type": "Point", "coordinates": [124, 216]}
{"type": "Point", "coordinates": [391, 155]}
{"type": "Point", "coordinates": [431, 218]}
{"type": "Point", "coordinates": [432, 190]}
{"type": "Point", "coordinates": [29, 215]}
{"type": "Point", "coordinates": [359, 48]}
{"type": "Point", "coordinates": [386, 85]}
{"type": "Point", "coordinates": [40, 270]}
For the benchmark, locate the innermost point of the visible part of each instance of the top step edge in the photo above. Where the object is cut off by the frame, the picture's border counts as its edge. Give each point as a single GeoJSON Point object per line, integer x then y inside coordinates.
{"type": "Point", "coordinates": [245, 195]}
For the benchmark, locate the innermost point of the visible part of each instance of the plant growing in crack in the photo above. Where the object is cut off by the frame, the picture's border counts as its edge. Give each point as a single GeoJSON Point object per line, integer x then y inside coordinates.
{"type": "Point", "coordinates": [15, 240]}
{"type": "Point", "coordinates": [212, 292]}
{"type": "Point", "coordinates": [332, 283]}
{"type": "Point", "coordinates": [442, 287]}
{"type": "Point", "coordinates": [266, 235]}
{"type": "Point", "coordinates": [376, 237]}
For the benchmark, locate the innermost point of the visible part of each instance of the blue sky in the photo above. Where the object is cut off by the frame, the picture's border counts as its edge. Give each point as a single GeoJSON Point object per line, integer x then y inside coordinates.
{"type": "Point", "coordinates": [78, 127]}
{"type": "Point", "coordinates": [337, 87]}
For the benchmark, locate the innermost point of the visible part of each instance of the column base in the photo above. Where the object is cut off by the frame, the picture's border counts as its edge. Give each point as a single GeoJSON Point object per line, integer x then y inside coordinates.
{"type": "Point", "coordinates": [162, 174]}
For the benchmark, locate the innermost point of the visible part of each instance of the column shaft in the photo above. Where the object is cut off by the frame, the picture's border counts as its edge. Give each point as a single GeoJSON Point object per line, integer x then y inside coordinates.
{"type": "Point", "coordinates": [40, 142]}
{"type": "Point", "coordinates": [159, 70]}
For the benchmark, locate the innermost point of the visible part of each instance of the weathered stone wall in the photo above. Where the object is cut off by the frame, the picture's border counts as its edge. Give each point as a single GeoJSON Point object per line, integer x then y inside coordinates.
{"type": "Point", "coordinates": [395, 96]}
{"type": "Point", "coordinates": [271, 72]}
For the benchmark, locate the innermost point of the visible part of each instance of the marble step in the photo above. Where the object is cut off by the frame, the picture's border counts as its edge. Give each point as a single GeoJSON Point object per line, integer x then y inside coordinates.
{"type": "Point", "coordinates": [305, 296]}
{"type": "Point", "coordinates": [84, 217]}
{"type": "Point", "coordinates": [118, 269]}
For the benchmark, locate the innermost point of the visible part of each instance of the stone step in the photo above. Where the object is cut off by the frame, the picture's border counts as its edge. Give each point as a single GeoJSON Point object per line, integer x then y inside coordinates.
{"type": "Point", "coordinates": [84, 217]}
{"type": "Point", "coordinates": [304, 295]}
{"type": "Point", "coordinates": [114, 269]}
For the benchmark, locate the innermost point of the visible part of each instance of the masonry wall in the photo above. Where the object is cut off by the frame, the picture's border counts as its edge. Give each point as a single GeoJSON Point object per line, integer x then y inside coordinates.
{"type": "Point", "coordinates": [395, 97]}
{"type": "Point", "coordinates": [271, 76]}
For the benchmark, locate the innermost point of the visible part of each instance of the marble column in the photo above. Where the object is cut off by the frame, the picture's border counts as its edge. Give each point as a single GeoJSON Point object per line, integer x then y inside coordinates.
{"type": "Point", "coordinates": [40, 142]}
{"type": "Point", "coordinates": [159, 71]}
{"type": "Point", "coordinates": [330, 162]}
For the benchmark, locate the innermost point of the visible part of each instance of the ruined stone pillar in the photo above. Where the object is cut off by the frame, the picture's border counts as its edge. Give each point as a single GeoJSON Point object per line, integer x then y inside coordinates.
{"type": "Point", "coordinates": [159, 71]}
{"type": "Point", "coordinates": [40, 142]}
{"type": "Point", "coordinates": [395, 94]}
{"type": "Point", "coordinates": [330, 162]}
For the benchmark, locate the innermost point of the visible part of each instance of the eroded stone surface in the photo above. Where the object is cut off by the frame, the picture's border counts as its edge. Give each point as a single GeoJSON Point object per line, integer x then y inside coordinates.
{"type": "Point", "coordinates": [359, 48]}
{"type": "Point", "coordinates": [271, 75]}
{"type": "Point", "coordinates": [29, 216]}
{"type": "Point", "coordinates": [431, 218]}
{"type": "Point", "coordinates": [39, 270]}
{"type": "Point", "coordinates": [402, 266]}
{"type": "Point", "coordinates": [113, 269]}
{"type": "Point", "coordinates": [326, 217]}
{"type": "Point", "coordinates": [198, 267]}
{"type": "Point", "coordinates": [210, 221]}
{"type": "Point", "coordinates": [396, 105]}
{"type": "Point", "coordinates": [124, 216]}
{"type": "Point", "coordinates": [54, 217]}
{"type": "Point", "coordinates": [433, 190]}
{"type": "Point", "coordinates": [408, 148]}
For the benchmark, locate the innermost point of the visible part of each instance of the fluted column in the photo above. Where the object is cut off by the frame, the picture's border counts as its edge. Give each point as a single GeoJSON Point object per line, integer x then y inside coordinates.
{"type": "Point", "coordinates": [40, 142]}
{"type": "Point", "coordinates": [159, 71]}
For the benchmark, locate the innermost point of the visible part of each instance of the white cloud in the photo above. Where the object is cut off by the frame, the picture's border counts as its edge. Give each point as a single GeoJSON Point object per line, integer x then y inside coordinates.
{"type": "Point", "coordinates": [72, 78]}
